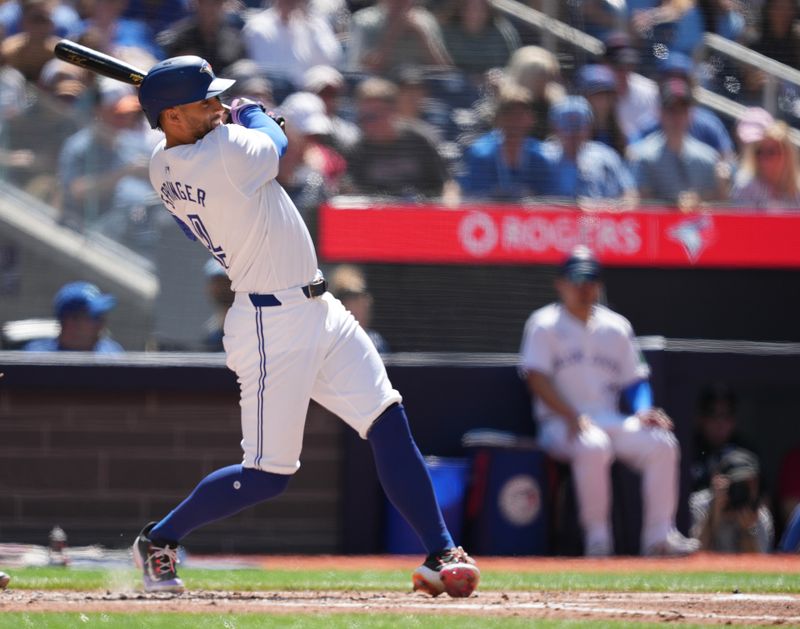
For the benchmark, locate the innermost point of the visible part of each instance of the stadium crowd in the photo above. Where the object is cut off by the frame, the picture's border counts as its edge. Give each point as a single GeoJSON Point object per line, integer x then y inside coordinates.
{"type": "Point", "coordinates": [438, 100]}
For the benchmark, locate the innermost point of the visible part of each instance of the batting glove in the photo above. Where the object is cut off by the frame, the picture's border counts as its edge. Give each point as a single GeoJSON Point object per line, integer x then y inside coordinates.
{"type": "Point", "coordinates": [241, 104]}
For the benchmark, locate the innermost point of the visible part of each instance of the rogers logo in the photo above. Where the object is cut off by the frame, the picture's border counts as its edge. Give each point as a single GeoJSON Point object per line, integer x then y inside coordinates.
{"type": "Point", "coordinates": [478, 234]}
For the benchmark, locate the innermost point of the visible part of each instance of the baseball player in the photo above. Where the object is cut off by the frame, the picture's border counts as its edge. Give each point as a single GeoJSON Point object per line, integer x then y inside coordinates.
{"type": "Point", "coordinates": [578, 357]}
{"type": "Point", "coordinates": [285, 336]}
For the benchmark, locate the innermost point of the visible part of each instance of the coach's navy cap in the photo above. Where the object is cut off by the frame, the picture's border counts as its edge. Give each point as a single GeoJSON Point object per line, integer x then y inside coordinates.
{"type": "Point", "coordinates": [581, 266]}
{"type": "Point", "coordinates": [82, 295]}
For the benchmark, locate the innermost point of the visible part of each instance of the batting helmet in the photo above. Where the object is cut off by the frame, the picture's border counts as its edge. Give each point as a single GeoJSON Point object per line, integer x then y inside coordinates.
{"type": "Point", "coordinates": [177, 81]}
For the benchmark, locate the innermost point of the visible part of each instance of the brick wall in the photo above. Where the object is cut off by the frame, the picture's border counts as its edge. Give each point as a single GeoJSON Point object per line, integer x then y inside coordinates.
{"type": "Point", "coordinates": [101, 463]}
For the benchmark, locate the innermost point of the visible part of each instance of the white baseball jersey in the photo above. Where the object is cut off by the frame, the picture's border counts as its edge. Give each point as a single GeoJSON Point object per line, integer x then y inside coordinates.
{"type": "Point", "coordinates": [223, 188]}
{"type": "Point", "coordinates": [588, 364]}
{"type": "Point", "coordinates": [284, 347]}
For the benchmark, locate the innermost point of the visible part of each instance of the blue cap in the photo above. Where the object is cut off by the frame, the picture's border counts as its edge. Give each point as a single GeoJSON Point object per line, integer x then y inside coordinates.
{"type": "Point", "coordinates": [178, 81]}
{"type": "Point", "coordinates": [82, 296]}
{"type": "Point", "coordinates": [581, 266]}
{"type": "Point", "coordinates": [571, 114]}
{"type": "Point", "coordinates": [676, 63]}
{"type": "Point", "coordinates": [595, 78]}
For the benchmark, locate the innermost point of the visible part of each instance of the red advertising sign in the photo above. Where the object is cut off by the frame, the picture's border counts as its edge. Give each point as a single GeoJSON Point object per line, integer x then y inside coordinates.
{"type": "Point", "coordinates": [515, 235]}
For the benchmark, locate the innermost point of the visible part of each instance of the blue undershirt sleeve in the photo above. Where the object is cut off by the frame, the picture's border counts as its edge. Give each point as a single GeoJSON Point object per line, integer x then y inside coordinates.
{"type": "Point", "coordinates": [639, 396]}
{"type": "Point", "coordinates": [254, 118]}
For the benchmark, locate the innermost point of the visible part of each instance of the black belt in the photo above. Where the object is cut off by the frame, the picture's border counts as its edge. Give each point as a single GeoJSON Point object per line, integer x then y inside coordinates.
{"type": "Point", "coordinates": [312, 290]}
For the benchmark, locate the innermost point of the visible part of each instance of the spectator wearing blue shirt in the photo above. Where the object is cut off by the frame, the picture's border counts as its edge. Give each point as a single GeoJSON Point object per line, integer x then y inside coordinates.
{"type": "Point", "coordinates": [587, 171]}
{"type": "Point", "coordinates": [704, 125]}
{"type": "Point", "coordinates": [81, 309]}
{"type": "Point", "coordinates": [598, 84]}
{"type": "Point", "coordinates": [507, 164]}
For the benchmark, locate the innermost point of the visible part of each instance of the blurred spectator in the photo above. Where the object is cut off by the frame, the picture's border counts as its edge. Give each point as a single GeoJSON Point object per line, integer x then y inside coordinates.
{"type": "Point", "coordinates": [779, 38]}
{"type": "Point", "coordinates": [53, 115]}
{"type": "Point", "coordinates": [348, 285]}
{"type": "Point", "coordinates": [669, 25]}
{"type": "Point", "coordinates": [414, 105]}
{"type": "Point", "coordinates": [250, 82]}
{"type": "Point", "coordinates": [715, 432]}
{"type": "Point", "coordinates": [206, 32]}
{"type": "Point", "coordinates": [730, 516]}
{"type": "Point", "coordinates": [579, 360]}
{"type": "Point", "coordinates": [103, 167]}
{"type": "Point", "coordinates": [598, 18]}
{"type": "Point", "coordinates": [309, 171]}
{"type": "Point", "coordinates": [158, 15]}
{"type": "Point", "coordinates": [218, 288]}
{"type": "Point", "coordinates": [724, 17]}
{"type": "Point", "coordinates": [32, 47]}
{"type": "Point", "coordinates": [287, 39]}
{"type": "Point", "coordinates": [328, 83]}
{"type": "Point", "coordinates": [477, 37]}
{"type": "Point", "coordinates": [66, 20]}
{"type": "Point", "coordinates": [392, 33]}
{"type": "Point", "coordinates": [790, 540]}
{"type": "Point", "coordinates": [537, 70]}
{"type": "Point", "coordinates": [588, 171]}
{"type": "Point", "coordinates": [392, 158]}
{"type": "Point", "coordinates": [637, 96]}
{"type": "Point", "coordinates": [106, 29]}
{"type": "Point", "coordinates": [596, 82]}
{"type": "Point", "coordinates": [81, 309]}
{"type": "Point", "coordinates": [507, 163]}
{"type": "Point", "coordinates": [768, 176]}
{"type": "Point", "coordinates": [672, 167]}
{"type": "Point", "coordinates": [704, 125]}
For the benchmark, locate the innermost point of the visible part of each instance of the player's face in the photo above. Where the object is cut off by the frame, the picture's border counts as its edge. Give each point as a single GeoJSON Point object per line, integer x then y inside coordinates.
{"type": "Point", "coordinates": [578, 298]}
{"type": "Point", "coordinates": [199, 118]}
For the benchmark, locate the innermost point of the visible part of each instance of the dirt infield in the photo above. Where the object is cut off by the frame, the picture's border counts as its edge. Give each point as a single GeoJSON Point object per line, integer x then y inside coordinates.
{"type": "Point", "coordinates": [712, 609]}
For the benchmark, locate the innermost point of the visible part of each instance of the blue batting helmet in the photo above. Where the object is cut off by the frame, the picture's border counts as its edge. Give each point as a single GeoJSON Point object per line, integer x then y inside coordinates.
{"type": "Point", "coordinates": [178, 81]}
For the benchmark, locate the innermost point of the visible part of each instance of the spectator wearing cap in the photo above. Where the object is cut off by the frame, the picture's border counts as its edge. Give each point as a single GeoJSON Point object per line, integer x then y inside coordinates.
{"type": "Point", "coordinates": [538, 71]}
{"type": "Point", "coordinates": [103, 167]}
{"type": "Point", "coordinates": [310, 170]}
{"type": "Point", "coordinates": [580, 360]}
{"type": "Point", "coordinates": [507, 164]}
{"type": "Point", "coordinates": [393, 33]}
{"type": "Point", "coordinates": [81, 310]}
{"type": "Point", "coordinates": [349, 285]}
{"type": "Point", "coordinates": [328, 83]}
{"type": "Point", "coordinates": [212, 31]}
{"type": "Point", "coordinates": [393, 158]}
{"type": "Point", "coordinates": [218, 289]}
{"type": "Point", "coordinates": [587, 171]}
{"type": "Point", "coordinates": [637, 96]}
{"type": "Point", "coordinates": [477, 36]}
{"type": "Point", "coordinates": [597, 84]}
{"type": "Point", "coordinates": [730, 516]}
{"type": "Point", "coordinates": [768, 177]}
{"type": "Point", "coordinates": [287, 39]}
{"type": "Point", "coordinates": [704, 125]}
{"type": "Point", "coordinates": [32, 47]}
{"type": "Point", "coordinates": [672, 167]}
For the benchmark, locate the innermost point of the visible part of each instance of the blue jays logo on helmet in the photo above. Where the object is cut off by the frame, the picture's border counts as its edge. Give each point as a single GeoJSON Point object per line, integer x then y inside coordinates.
{"type": "Point", "coordinates": [178, 81]}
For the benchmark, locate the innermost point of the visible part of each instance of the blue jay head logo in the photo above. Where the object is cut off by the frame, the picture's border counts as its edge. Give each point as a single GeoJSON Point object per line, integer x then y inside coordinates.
{"type": "Point", "coordinates": [206, 67]}
{"type": "Point", "coordinates": [694, 235]}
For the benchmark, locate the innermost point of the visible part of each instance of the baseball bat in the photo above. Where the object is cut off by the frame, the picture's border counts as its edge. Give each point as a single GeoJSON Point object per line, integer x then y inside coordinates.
{"type": "Point", "coordinates": [98, 62]}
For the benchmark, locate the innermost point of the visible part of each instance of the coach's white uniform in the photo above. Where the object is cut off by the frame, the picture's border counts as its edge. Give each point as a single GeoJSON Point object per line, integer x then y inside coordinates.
{"type": "Point", "coordinates": [589, 365]}
{"type": "Point", "coordinates": [290, 348]}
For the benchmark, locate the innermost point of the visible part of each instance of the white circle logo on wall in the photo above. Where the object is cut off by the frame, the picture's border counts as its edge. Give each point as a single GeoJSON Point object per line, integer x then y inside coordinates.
{"type": "Point", "coordinates": [478, 234]}
{"type": "Point", "coordinates": [520, 499]}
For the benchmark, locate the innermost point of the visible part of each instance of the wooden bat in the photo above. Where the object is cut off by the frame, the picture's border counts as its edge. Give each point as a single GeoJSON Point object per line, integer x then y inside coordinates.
{"type": "Point", "coordinates": [98, 62]}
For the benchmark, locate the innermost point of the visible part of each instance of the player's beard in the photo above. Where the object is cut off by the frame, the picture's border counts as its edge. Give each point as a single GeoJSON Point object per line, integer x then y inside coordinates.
{"type": "Point", "coordinates": [206, 126]}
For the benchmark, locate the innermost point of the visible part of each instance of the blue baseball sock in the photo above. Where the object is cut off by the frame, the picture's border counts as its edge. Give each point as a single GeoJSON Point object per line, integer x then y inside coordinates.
{"type": "Point", "coordinates": [405, 478]}
{"type": "Point", "coordinates": [222, 493]}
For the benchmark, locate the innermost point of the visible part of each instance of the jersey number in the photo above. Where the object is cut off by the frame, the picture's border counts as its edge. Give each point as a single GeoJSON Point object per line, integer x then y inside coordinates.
{"type": "Point", "coordinates": [202, 233]}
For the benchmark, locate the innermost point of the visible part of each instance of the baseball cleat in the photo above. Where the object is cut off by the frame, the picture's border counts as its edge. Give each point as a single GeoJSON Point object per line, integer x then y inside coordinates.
{"type": "Point", "coordinates": [4, 580]}
{"type": "Point", "coordinates": [452, 571]}
{"type": "Point", "coordinates": [675, 545]}
{"type": "Point", "coordinates": [157, 563]}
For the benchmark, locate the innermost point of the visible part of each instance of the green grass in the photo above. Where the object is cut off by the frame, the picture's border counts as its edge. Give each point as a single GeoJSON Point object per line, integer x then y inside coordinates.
{"type": "Point", "coordinates": [253, 621]}
{"type": "Point", "coordinates": [399, 580]}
